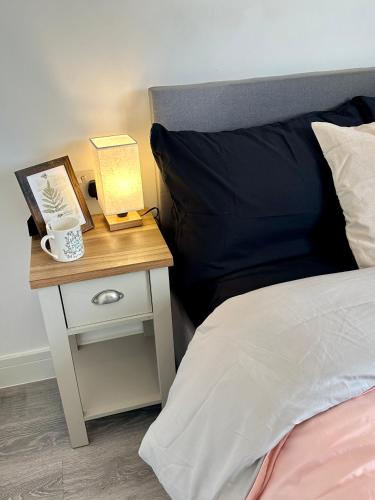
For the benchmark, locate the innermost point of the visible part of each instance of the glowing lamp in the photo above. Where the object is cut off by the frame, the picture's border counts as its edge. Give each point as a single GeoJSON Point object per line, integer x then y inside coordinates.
{"type": "Point", "coordinates": [118, 180]}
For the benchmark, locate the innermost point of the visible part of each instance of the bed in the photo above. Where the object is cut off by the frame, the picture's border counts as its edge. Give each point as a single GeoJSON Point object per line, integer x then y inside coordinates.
{"type": "Point", "coordinates": [203, 445]}
{"type": "Point", "coordinates": [244, 103]}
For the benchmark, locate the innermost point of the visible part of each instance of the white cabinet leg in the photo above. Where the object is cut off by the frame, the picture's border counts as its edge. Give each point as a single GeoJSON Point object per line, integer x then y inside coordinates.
{"type": "Point", "coordinates": [163, 329]}
{"type": "Point", "coordinates": [62, 359]}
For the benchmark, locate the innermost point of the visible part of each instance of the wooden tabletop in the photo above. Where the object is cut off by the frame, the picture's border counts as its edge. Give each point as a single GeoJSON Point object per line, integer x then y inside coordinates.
{"type": "Point", "coordinates": [106, 254]}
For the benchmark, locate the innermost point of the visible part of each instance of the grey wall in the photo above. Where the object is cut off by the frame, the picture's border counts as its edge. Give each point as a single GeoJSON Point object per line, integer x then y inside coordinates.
{"type": "Point", "coordinates": [78, 68]}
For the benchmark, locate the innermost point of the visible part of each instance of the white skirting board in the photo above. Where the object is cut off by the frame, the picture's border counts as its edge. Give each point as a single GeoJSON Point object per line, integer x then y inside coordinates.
{"type": "Point", "coordinates": [24, 367]}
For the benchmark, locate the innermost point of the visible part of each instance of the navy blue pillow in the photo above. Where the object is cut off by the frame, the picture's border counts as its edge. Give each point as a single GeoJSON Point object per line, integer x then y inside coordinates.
{"type": "Point", "coordinates": [367, 106]}
{"type": "Point", "coordinates": [249, 197]}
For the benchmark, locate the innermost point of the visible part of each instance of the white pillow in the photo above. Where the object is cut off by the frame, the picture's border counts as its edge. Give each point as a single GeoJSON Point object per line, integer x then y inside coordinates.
{"type": "Point", "coordinates": [350, 152]}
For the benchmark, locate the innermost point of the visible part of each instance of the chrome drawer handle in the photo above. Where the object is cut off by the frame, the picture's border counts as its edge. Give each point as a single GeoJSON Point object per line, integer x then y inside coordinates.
{"type": "Point", "coordinates": [107, 297]}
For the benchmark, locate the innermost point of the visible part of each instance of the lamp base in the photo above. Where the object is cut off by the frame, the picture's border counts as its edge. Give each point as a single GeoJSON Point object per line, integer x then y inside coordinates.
{"type": "Point", "coordinates": [115, 222]}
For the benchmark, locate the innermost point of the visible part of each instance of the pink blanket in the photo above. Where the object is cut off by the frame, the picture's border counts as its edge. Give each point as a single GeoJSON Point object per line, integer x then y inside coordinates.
{"type": "Point", "coordinates": [330, 456]}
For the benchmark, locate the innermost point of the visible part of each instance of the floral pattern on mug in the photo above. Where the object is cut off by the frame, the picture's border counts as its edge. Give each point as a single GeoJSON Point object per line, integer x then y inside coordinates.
{"type": "Point", "coordinates": [73, 245]}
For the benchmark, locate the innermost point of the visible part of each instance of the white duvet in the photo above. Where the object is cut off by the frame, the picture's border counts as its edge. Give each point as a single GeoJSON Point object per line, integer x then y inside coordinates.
{"type": "Point", "coordinates": [261, 363]}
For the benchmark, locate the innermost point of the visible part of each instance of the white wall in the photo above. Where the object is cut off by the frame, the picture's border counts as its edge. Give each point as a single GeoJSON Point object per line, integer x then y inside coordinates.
{"type": "Point", "coordinates": [78, 68]}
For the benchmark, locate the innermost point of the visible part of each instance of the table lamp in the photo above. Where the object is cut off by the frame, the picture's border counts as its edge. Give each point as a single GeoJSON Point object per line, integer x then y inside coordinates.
{"type": "Point", "coordinates": [118, 180]}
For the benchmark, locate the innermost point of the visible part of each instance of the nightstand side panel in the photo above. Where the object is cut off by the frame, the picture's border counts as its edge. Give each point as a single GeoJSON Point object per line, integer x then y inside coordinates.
{"type": "Point", "coordinates": [161, 302]}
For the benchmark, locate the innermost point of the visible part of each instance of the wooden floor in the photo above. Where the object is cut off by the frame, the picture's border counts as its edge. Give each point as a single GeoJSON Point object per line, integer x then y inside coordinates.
{"type": "Point", "coordinates": [36, 460]}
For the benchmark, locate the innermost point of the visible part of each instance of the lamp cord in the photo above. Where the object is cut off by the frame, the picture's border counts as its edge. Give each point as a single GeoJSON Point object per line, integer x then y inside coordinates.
{"type": "Point", "coordinates": [156, 216]}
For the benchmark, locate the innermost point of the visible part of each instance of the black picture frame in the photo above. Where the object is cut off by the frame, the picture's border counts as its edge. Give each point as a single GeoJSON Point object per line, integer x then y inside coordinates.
{"type": "Point", "coordinates": [52, 201]}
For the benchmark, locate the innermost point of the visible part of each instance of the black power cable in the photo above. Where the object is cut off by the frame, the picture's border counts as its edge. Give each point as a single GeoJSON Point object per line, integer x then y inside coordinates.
{"type": "Point", "coordinates": [156, 216]}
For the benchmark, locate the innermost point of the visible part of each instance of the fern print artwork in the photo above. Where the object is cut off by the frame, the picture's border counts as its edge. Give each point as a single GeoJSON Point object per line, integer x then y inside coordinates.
{"type": "Point", "coordinates": [55, 195]}
{"type": "Point", "coordinates": [53, 201]}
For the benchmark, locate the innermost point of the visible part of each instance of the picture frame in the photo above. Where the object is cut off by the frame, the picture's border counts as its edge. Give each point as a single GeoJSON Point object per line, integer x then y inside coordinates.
{"type": "Point", "coordinates": [51, 190]}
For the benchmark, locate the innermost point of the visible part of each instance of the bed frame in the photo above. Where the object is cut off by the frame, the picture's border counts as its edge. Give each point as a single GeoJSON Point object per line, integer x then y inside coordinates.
{"type": "Point", "coordinates": [210, 107]}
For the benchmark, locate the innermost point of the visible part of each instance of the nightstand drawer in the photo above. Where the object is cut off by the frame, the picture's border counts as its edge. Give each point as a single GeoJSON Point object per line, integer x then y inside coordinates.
{"type": "Point", "coordinates": [106, 299]}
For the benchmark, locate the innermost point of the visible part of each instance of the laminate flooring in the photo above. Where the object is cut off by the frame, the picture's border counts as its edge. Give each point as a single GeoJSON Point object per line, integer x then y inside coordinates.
{"type": "Point", "coordinates": [36, 460]}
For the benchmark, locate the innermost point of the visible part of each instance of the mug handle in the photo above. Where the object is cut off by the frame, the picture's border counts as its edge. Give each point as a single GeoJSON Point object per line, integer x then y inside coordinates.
{"type": "Point", "coordinates": [43, 245]}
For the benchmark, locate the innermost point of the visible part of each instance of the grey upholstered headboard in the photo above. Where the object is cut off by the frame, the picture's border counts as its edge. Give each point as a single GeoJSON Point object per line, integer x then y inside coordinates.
{"type": "Point", "coordinates": [244, 103]}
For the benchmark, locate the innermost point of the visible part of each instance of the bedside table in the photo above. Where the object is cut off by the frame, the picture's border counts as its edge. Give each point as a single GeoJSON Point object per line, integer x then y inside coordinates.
{"type": "Point", "coordinates": [119, 285]}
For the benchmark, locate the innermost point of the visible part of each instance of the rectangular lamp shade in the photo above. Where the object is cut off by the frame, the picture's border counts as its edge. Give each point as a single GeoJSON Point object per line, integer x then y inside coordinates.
{"type": "Point", "coordinates": [118, 174]}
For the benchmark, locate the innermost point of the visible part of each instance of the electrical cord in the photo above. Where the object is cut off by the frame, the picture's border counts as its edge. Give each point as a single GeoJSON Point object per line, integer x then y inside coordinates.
{"type": "Point", "coordinates": [156, 216]}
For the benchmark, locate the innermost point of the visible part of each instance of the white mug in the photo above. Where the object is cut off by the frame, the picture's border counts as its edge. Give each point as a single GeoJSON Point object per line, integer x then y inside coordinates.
{"type": "Point", "coordinates": [65, 236]}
